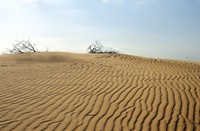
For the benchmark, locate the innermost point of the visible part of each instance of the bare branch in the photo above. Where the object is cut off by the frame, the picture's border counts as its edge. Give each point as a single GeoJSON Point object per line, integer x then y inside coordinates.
{"type": "Point", "coordinates": [22, 47]}
{"type": "Point", "coordinates": [97, 47]}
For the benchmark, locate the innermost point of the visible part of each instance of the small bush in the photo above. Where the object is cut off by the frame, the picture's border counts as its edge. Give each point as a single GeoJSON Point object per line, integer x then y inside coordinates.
{"type": "Point", "coordinates": [22, 47]}
{"type": "Point", "coordinates": [97, 47]}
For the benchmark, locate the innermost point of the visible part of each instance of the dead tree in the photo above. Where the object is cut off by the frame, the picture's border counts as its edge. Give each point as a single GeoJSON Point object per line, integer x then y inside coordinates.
{"type": "Point", "coordinates": [22, 47]}
{"type": "Point", "coordinates": [97, 47]}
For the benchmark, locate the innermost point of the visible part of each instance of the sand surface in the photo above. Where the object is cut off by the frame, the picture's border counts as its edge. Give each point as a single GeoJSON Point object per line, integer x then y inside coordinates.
{"type": "Point", "coordinates": [66, 91]}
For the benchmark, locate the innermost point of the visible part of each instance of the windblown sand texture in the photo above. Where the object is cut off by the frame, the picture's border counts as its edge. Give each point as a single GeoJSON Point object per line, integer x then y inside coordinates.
{"type": "Point", "coordinates": [66, 91]}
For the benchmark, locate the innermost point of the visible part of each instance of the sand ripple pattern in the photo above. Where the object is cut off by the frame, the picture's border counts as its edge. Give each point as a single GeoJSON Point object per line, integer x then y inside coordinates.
{"type": "Point", "coordinates": [110, 93]}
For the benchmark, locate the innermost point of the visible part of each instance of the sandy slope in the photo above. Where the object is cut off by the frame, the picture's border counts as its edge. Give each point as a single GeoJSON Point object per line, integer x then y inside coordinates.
{"type": "Point", "coordinates": [65, 91]}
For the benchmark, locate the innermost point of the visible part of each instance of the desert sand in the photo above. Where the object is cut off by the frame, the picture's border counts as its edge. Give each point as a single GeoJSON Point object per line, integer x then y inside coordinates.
{"type": "Point", "coordinates": [98, 92]}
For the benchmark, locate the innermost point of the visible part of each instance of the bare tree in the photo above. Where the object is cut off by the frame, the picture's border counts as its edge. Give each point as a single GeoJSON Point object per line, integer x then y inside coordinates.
{"type": "Point", "coordinates": [21, 47]}
{"type": "Point", "coordinates": [97, 47]}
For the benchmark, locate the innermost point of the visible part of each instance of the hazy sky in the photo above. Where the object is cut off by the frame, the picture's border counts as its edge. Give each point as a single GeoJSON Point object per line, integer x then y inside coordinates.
{"type": "Point", "coordinates": [152, 28]}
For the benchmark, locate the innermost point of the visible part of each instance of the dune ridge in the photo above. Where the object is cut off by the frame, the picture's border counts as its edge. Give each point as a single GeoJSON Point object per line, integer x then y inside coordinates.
{"type": "Point", "coordinates": [66, 91]}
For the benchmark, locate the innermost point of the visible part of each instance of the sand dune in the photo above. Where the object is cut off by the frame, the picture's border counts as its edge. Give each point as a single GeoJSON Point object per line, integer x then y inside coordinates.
{"type": "Point", "coordinates": [65, 91]}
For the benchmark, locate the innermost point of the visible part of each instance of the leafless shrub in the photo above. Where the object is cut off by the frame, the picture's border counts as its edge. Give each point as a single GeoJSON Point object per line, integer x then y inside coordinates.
{"type": "Point", "coordinates": [22, 47]}
{"type": "Point", "coordinates": [97, 47]}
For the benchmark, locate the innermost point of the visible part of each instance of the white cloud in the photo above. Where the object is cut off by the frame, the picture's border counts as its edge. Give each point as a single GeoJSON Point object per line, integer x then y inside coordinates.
{"type": "Point", "coordinates": [141, 1]}
{"type": "Point", "coordinates": [44, 1]}
{"type": "Point", "coordinates": [31, 1]}
{"type": "Point", "coordinates": [74, 11]}
{"type": "Point", "coordinates": [115, 1]}
{"type": "Point", "coordinates": [120, 1]}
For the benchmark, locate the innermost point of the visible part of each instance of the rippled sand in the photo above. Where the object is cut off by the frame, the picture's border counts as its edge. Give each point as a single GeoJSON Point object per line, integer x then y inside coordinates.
{"type": "Point", "coordinates": [66, 91]}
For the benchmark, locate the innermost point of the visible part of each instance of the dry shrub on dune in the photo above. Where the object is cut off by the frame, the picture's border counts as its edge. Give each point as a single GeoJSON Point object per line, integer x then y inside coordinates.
{"type": "Point", "coordinates": [97, 47]}
{"type": "Point", "coordinates": [23, 46]}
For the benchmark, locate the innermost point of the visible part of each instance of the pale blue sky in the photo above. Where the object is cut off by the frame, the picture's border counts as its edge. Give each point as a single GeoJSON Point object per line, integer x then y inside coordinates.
{"type": "Point", "coordinates": [151, 28]}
